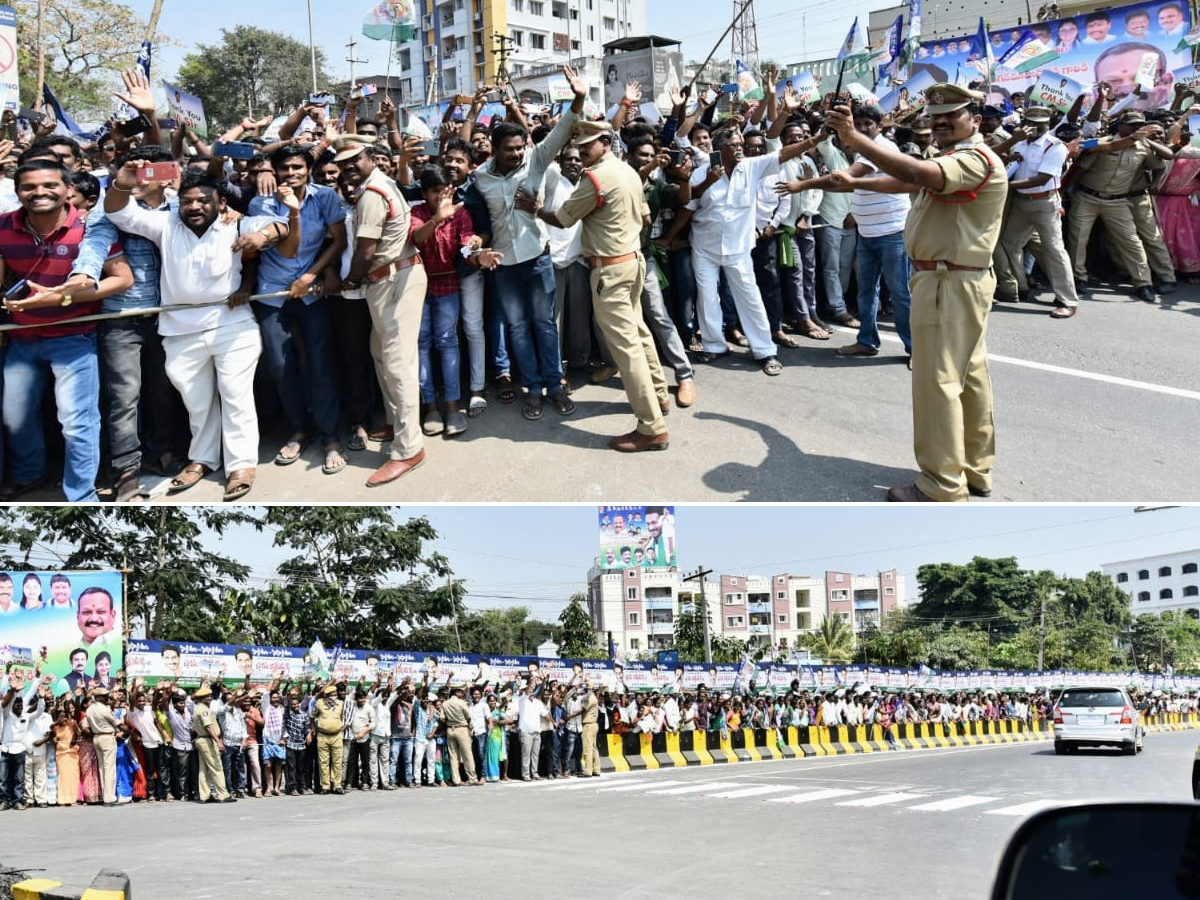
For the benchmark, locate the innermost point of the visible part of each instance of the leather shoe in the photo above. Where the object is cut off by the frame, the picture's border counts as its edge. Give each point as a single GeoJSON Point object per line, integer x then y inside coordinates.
{"type": "Point", "coordinates": [1145, 293]}
{"type": "Point", "coordinates": [685, 394]}
{"type": "Point", "coordinates": [602, 374]}
{"type": "Point", "coordinates": [978, 491]}
{"type": "Point", "coordinates": [636, 442]}
{"type": "Point", "coordinates": [1063, 312]}
{"type": "Point", "coordinates": [383, 433]}
{"type": "Point", "coordinates": [908, 494]}
{"type": "Point", "coordinates": [394, 468]}
{"type": "Point", "coordinates": [1082, 289]}
{"type": "Point", "coordinates": [856, 349]}
{"type": "Point", "coordinates": [1165, 287]}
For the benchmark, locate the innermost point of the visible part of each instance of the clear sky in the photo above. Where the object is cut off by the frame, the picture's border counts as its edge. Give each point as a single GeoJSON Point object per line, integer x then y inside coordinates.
{"type": "Point", "coordinates": [788, 31]}
{"type": "Point", "coordinates": [539, 555]}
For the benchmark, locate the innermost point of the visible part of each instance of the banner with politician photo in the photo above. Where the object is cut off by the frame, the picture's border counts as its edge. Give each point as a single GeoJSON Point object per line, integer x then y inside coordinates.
{"type": "Point", "coordinates": [1109, 45]}
{"type": "Point", "coordinates": [641, 537]}
{"type": "Point", "coordinates": [71, 621]}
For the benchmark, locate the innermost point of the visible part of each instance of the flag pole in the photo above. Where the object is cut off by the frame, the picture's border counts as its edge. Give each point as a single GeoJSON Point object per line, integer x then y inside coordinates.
{"type": "Point", "coordinates": [312, 47]}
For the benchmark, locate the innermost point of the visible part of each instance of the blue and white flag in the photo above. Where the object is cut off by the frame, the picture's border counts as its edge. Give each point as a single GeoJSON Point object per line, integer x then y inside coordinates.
{"type": "Point", "coordinates": [854, 51]}
{"type": "Point", "coordinates": [66, 125]}
{"type": "Point", "coordinates": [123, 111]}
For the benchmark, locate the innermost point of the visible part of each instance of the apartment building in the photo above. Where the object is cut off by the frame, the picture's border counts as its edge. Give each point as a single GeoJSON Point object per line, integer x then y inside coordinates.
{"type": "Point", "coordinates": [1157, 584]}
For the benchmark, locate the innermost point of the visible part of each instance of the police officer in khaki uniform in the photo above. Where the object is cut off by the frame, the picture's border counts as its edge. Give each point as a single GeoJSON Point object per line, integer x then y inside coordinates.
{"type": "Point", "coordinates": [612, 207]}
{"type": "Point", "coordinates": [590, 757]}
{"type": "Point", "coordinates": [387, 262]}
{"type": "Point", "coordinates": [327, 716]}
{"type": "Point", "coordinates": [206, 738]}
{"type": "Point", "coordinates": [992, 127]}
{"type": "Point", "coordinates": [922, 132]}
{"type": "Point", "coordinates": [103, 726]}
{"type": "Point", "coordinates": [951, 232]}
{"type": "Point", "coordinates": [1112, 175]}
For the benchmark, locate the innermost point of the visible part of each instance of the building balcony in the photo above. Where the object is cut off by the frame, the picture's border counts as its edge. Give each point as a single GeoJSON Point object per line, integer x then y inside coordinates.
{"type": "Point", "coordinates": [660, 627]}
{"type": "Point", "coordinates": [659, 602]}
{"type": "Point", "coordinates": [760, 629]}
{"type": "Point", "coordinates": [760, 606]}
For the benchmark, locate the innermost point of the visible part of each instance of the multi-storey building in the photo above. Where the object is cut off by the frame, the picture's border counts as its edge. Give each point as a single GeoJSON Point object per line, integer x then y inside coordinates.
{"type": "Point", "coordinates": [1157, 584]}
{"type": "Point", "coordinates": [638, 607]}
{"type": "Point", "coordinates": [456, 47]}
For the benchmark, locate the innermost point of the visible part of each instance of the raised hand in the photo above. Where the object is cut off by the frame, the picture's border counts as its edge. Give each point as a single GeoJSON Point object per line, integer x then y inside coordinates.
{"type": "Point", "coordinates": [633, 92]}
{"type": "Point", "coordinates": [578, 83]}
{"type": "Point", "coordinates": [137, 91]}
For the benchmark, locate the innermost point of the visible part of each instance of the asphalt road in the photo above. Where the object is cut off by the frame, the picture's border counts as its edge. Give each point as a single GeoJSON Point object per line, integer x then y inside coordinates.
{"type": "Point", "coordinates": [1100, 407]}
{"type": "Point", "coordinates": [922, 824]}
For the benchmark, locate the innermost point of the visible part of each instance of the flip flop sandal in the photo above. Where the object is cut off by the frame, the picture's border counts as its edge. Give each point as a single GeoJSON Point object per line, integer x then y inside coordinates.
{"type": "Point", "coordinates": [191, 475]}
{"type": "Point", "coordinates": [562, 402]}
{"type": "Point", "coordinates": [785, 340]}
{"type": "Point", "coordinates": [696, 346]}
{"type": "Point", "coordinates": [433, 424]}
{"type": "Point", "coordinates": [476, 407]}
{"type": "Point", "coordinates": [772, 366]}
{"type": "Point", "coordinates": [334, 462]}
{"type": "Point", "coordinates": [282, 459]}
{"type": "Point", "coordinates": [532, 410]}
{"type": "Point", "coordinates": [508, 393]}
{"type": "Point", "coordinates": [816, 333]}
{"type": "Point", "coordinates": [711, 357]}
{"type": "Point", "coordinates": [736, 337]}
{"type": "Point", "coordinates": [358, 438]}
{"type": "Point", "coordinates": [239, 484]}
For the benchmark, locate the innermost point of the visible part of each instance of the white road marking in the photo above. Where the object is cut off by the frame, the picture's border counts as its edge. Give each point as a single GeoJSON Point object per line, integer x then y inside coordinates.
{"type": "Point", "coordinates": [578, 784]}
{"type": "Point", "coordinates": [883, 799]}
{"type": "Point", "coordinates": [699, 788]}
{"type": "Point", "coordinates": [754, 791]}
{"type": "Point", "coordinates": [1080, 373]}
{"type": "Point", "coordinates": [640, 786]}
{"type": "Point", "coordinates": [809, 796]}
{"type": "Point", "coordinates": [1024, 809]}
{"type": "Point", "coordinates": [955, 803]}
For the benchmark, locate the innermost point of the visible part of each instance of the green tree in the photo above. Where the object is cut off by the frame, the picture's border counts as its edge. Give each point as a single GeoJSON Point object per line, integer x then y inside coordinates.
{"type": "Point", "coordinates": [689, 631]}
{"type": "Point", "coordinates": [250, 71]}
{"type": "Point", "coordinates": [87, 42]}
{"type": "Point", "coordinates": [577, 640]}
{"type": "Point", "coordinates": [833, 641]}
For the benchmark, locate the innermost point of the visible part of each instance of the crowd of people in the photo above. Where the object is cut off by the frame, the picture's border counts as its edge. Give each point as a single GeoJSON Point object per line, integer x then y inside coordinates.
{"type": "Point", "coordinates": [223, 742]}
{"type": "Point", "coordinates": [393, 285]}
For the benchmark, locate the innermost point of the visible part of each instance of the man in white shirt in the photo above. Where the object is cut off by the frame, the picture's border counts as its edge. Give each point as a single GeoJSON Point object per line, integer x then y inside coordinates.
{"type": "Point", "coordinates": [529, 725]}
{"type": "Point", "coordinates": [382, 701]}
{"type": "Point", "coordinates": [771, 211]}
{"type": "Point", "coordinates": [212, 351]}
{"type": "Point", "coordinates": [1033, 186]}
{"type": "Point", "coordinates": [21, 704]}
{"type": "Point", "coordinates": [480, 714]}
{"type": "Point", "coordinates": [145, 732]}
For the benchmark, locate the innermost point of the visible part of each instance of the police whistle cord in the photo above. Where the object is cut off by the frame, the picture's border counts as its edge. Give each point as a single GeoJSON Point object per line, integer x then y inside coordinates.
{"type": "Point", "coordinates": [146, 311]}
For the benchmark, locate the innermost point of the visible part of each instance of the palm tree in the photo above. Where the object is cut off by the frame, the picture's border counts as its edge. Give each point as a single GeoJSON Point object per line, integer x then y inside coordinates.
{"type": "Point", "coordinates": [833, 641]}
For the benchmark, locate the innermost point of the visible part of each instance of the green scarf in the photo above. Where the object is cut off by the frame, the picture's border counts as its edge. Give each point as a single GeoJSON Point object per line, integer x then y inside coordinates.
{"type": "Point", "coordinates": [660, 258]}
{"type": "Point", "coordinates": [787, 250]}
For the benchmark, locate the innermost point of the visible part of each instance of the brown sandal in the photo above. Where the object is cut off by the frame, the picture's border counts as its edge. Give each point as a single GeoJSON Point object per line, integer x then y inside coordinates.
{"type": "Point", "coordinates": [192, 474]}
{"type": "Point", "coordinates": [239, 484]}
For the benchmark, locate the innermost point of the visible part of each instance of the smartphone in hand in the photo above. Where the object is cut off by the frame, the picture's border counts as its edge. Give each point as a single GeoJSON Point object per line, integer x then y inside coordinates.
{"type": "Point", "coordinates": [164, 171]}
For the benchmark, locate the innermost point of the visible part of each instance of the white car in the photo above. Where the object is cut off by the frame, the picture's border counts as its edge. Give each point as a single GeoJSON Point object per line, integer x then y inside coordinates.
{"type": "Point", "coordinates": [1096, 717]}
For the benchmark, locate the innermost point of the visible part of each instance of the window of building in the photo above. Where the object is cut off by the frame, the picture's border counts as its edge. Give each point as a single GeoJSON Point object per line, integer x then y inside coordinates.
{"type": "Point", "coordinates": [590, 4]}
{"type": "Point", "coordinates": [537, 8]}
{"type": "Point", "coordinates": [633, 618]}
{"type": "Point", "coordinates": [610, 24]}
{"type": "Point", "coordinates": [1188, 569]}
{"type": "Point", "coordinates": [537, 41]}
{"type": "Point", "coordinates": [635, 644]}
{"type": "Point", "coordinates": [518, 38]}
{"type": "Point", "coordinates": [839, 577]}
{"type": "Point", "coordinates": [460, 44]}
{"type": "Point", "coordinates": [1190, 590]}
{"type": "Point", "coordinates": [1143, 574]}
{"type": "Point", "coordinates": [1122, 577]}
{"type": "Point", "coordinates": [1143, 596]}
{"type": "Point", "coordinates": [782, 618]}
{"type": "Point", "coordinates": [1164, 572]}
{"type": "Point", "coordinates": [631, 594]}
{"type": "Point", "coordinates": [1166, 594]}
{"type": "Point", "coordinates": [1193, 613]}
{"type": "Point", "coordinates": [889, 591]}
{"type": "Point", "coordinates": [405, 59]}
{"type": "Point", "coordinates": [781, 595]}
{"type": "Point", "coordinates": [591, 30]}
{"type": "Point", "coordinates": [839, 595]}
{"type": "Point", "coordinates": [518, 5]}
{"type": "Point", "coordinates": [733, 581]}
{"type": "Point", "coordinates": [733, 621]}
{"type": "Point", "coordinates": [574, 44]}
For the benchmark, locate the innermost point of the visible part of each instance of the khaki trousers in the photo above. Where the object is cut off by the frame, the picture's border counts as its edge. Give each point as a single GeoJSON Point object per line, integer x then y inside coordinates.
{"type": "Point", "coordinates": [590, 759]}
{"type": "Point", "coordinates": [1025, 218]}
{"type": "Point", "coordinates": [459, 741]}
{"type": "Point", "coordinates": [953, 433]}
{"type": "Point", "coordinates": [617, 302]}
{"type": "Point", "coordinates": [1157, 254]}
{"type": "Point", "coordinates": [106, 758]}
{"type": "Point", "coordinates": [35, 774]}
{"type": "Point", "coordinates": [329, 760]}
{"type": "Point", "coordinates": [212, 776]}
{"type": "Point", "coordinates": [395, 303]}
{"type": "Point", "coordinates": [1120, 231]}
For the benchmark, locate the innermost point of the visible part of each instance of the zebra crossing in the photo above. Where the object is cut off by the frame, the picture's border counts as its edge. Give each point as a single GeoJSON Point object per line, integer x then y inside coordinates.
{"type": "Point", "coordinates": [911, 798]}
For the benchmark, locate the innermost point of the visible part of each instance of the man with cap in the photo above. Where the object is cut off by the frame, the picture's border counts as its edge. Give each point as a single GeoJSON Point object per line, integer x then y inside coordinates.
{"type": "Point", "coordinates": [103, 726]}
{"type": "Point", "coordinates": [590, 758]}
{"type": "Point", "coordinates": [922, 133]}
{"type": "Point", "coordinates": [1111, 176]}
{"type": "Point", "coordinates": [206, 737]}
{"type": "Point", "coordinates": [387, 262]}
{"type": "Point", "coordinates": [610, 203]}
{"type": "Point", "coordinates": [1035, 207]}
{"type": "Point", "coordinates": [456, 715]}
{"type": "Point", "coordinates": [992, 128]}
{"type": "Point", "coordinates": [327, 718]}
{"type": "Point", "coordinates": [951, 232]}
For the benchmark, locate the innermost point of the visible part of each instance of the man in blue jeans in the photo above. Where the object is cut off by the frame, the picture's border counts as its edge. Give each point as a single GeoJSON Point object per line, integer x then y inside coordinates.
{"type": "Point", "coordinates": [304, 380]}
{"type": "Point", "coordinates": [38, 245]}
{"type": "Point", "coordinates": [524, 279]}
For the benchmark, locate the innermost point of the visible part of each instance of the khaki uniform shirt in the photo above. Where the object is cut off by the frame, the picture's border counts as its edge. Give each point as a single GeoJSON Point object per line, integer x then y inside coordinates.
{"type": "Point", "coordinates": [329, 719]}
{"type": "Point", "coordinates": [591, 709]}
{"type": "Point", "coordinates": [1117, 173]}
{"type": "Point", "coordinates": [456, 712]}
{"type": "Point", "coordinates": [996, 138]}
{"type": "Point", "coordinates": [99, 719]}
{"type": "Point", "coordinates": [202, 720]}
{"type": "Point", "coordinates": [377, 220]}
{"type": "Point", "coordinates": [612, 227]}
{"type": "Point", "coordinates": [962, 233]}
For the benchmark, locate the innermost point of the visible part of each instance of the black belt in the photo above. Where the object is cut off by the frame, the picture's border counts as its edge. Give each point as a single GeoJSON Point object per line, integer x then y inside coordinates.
{"type": "Point", "coordinates": [1100, 196]}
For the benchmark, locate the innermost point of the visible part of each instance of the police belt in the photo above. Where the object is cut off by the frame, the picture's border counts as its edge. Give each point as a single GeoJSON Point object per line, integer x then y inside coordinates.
{"type": "Point", "coordinates": [391, 268]}
{"type": "Point", "coordinates": [1099, 196]}
{"type": "Point", "coordinates": [928, 265]}
{"type": "Point", "coordinates": [598, 262]}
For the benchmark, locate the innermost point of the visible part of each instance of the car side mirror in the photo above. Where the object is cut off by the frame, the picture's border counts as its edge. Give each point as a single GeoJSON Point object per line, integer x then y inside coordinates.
{"type": "Point", "coordinates": [1104, 852]}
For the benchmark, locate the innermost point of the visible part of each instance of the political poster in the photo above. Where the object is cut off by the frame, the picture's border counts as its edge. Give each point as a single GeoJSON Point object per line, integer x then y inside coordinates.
{"type": "Point", "coordinates": [185, 108]}
{"type": "Point", "coordinates": [69, 621]}
{"type": "Point", "coordinates": [1054, 91]}
{"type": "Point", "coordinates": [1106, 45]}
{"type": "Point", "coordinates": [1194, 130]}
{"type": "Point", "coordinates": [1188, 75]}
{"type": "Point", "coordinates": [804, 88]}
{"type": "Point", "coordinates": [640, 537]}
{"type": "Point", "coordinates": [10, 91]}
{"type": "Point", "coordinates": [909, 95]}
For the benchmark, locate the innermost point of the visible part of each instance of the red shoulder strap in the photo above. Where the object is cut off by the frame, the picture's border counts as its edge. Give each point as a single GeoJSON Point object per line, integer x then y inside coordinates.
{"type": "Point", "coordinates": [385, 195]}
{"type": "Point", "coordinates": [591, 176]}
{"type": "Point", "coordinates": [968, 196]}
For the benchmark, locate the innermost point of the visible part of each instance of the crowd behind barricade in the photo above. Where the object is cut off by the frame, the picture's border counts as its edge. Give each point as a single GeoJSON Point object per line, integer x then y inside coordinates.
{"type": "Point", "coordinates": [401, 291]}
{"type": "Point", "coordinates": [156, 743]}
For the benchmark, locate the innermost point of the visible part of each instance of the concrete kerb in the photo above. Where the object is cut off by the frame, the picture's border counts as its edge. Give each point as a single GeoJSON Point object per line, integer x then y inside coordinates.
{"type": "Point", "coordinates": [754, 745]}
{"type": "Point", "coordinates": [109, 884]}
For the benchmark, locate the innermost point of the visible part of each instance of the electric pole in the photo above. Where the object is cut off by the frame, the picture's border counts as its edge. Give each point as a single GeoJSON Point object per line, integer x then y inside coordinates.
{"type": "Point", "coordinates": [699, 575]}
{"type": "Point", "coordinates": [503, 51]}
{"type": "Point", "coordinates": [1042, 636]}
{"type": "Point", "coordinates": [350, 59]}
{"type": "Point", "coordinates": [745, 35]}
